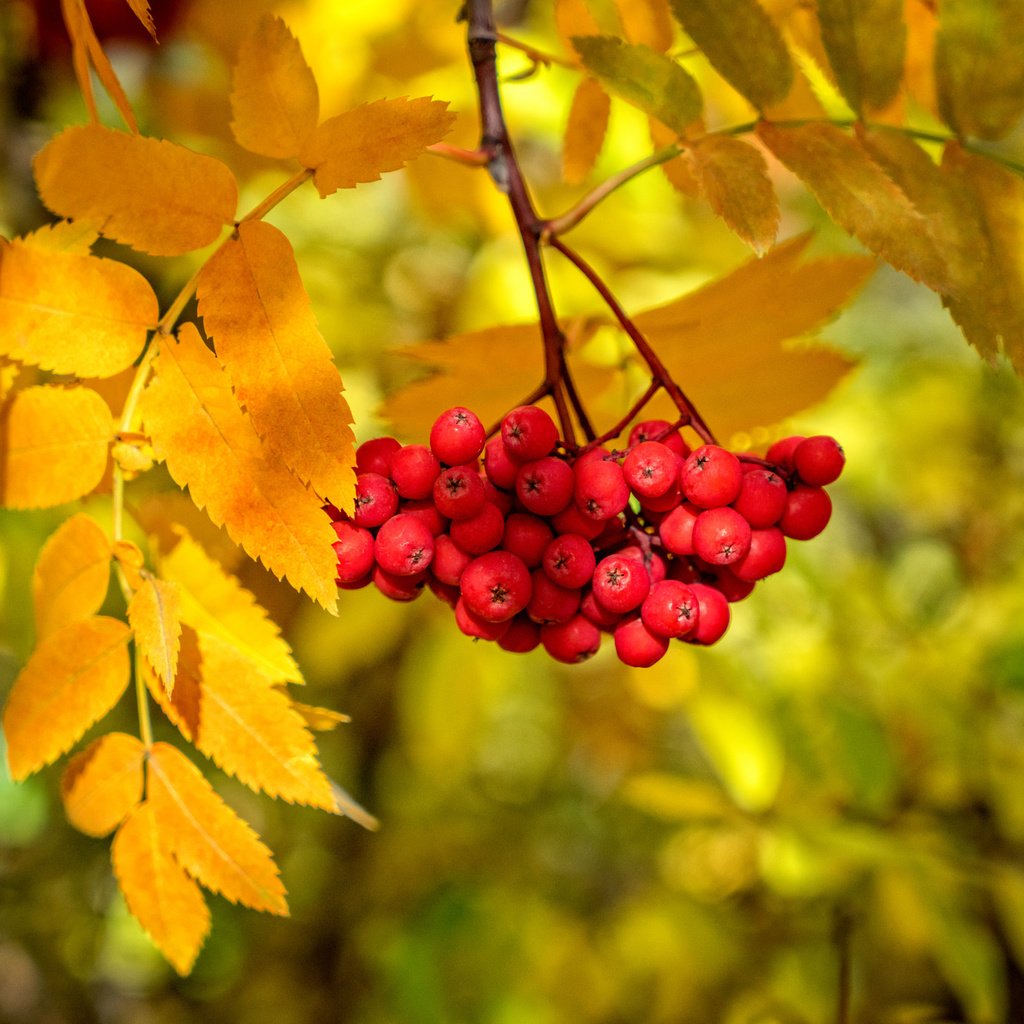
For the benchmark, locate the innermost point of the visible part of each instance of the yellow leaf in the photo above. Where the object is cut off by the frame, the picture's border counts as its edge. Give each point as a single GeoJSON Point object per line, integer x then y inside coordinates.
{"type": "Point", "coordinates": [63, 236]}
{"type": "Point", "coordinates": [211, 447]}
{"type": "Point", "coordinates": [239, 719]}
{"type": "Point", "coordinates": [72, 679]}
{"type": "Point", "coordinates": [572, 18]}
{"type": "Point", "coordinates": [274, 96]}
{"type": "Point", "coordinates": [70, 311]}
{"type": "Point", "coordinates": [168, 904]}
{"type": "Point", "coordinates": [732, 330]}
{"type": "Point", "coordinates": [734, 177]}
{"type": "Point", "coordinates": [102, 784]}
{"type": "Point", "coordinates": [585, 132]}
{"type": "Point", "coordinates": [212, 843]}
{"type": "Point", "coordinates": [647, 22]}
{"type": "Point", "coordinates": [318, 719]}
{"type": "Point", "coordinates": [213, 601]}
{"type": "Point", "coordinates": [8, 377]}
{"type": "Point", "coordinates": [153, 195]}
{"type": "Point", "coordinates": [130, 558]}
{"type": "Point", "coordinates": [53, 446]}
{"type": "Point", "coordinates": [253, 303]}
{"type": "Point", "coordinates": [153, 615]}
{"type": "Point", "coordinates": [71, 575]}
{"type": "Point", "coordinates": [679, 170]}
{"type": "Point", "coordinates": [368, 140]}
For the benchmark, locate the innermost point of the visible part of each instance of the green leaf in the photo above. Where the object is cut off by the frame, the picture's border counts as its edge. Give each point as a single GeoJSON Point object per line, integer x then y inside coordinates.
{"type": "Point", "coordinates": [979, 66]}
{"type": "Point", "coordinates": [743, 45]}
{"type": "Point", "coordinates": [866, 43]}
{"type": "Point", "coordinates": [859, 196]}
{"type": "Point", "coordinates": [651, 81]}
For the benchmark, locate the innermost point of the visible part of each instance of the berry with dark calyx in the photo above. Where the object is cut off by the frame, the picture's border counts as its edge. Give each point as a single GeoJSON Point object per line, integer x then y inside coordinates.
{"type": "Point", "coordinates": [676, 529]}
{"type": "Point", "coordinates": [670, 609]}
{"type": "Point", "coordinates": [550, 602]}
{"type": "Point", "coordinates": [528, 433]}
{"type": "Point", "coordinates": [457, 436]}
{"type": "Point", "coordinates": [762, 497]}
{"type": "Point", "coordinates": [572, 520]}
{"type": "Point", "coordinates": [376, 500]}
{"type": "Point", "coordinates": [522, 635]}
{"type": "Point", "coordinates": [496, 586]}
{"type": "Point", "coordinates": [545, 486]}
{"type": "Point", "coordinates": [459, 492]}
{"type": "Point", "coordinates": [500, 468]}
{"type": "Point", "coordinates": [721, 536]}
{"type": "Point", "coordinates": [404, 546]}
{"type": "Point", "coordinates": [601, 490]}
{"type": "Point", "coordinates": [781, 452]}
{"type": "Point", "coordinates": [659, 430]}
{"type": "Point", "coordinates": [414, 469]}
{"type": "Point", "coordinates": [767, 555]}
{"type": "Point", "coordinates": [527, 536]}
{"type": "Point", "coordinates": [651, 468]}
{"type": "Point", "coordinates": [654, 565]}
{"type": "Point", "coordinates": [818, 460]}
{"type": "Point", "coordinates": [712, 615]}
{"type": "Point", "coordinates": [711, 476]}
{"type": "Point", "coordinates": [481, 532]}
{"type": "Point", "coordinates": [354, 548]}
{"type": "Point", "coordinates": [636, 645]}
{"type": "Point", "coordinates": [449, 560]}
{"type": "Point", "coordinates": [808, 510]}
{"type": "Point", "coordinates": [399, 588]}
{"type": "Point", "coordinates": [569, 560]}
{"type": "Point", "coordinates": [572, 641]}
{"type": "Point", "coordinates": [472, 625]}
{"type": "Point", "coordinates": [374, 456]}
{"type": "Point", "coordinates": [621, 583]}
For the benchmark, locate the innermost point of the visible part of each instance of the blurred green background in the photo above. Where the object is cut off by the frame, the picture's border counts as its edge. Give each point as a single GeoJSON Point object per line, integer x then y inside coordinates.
{"type": "Point", "coordinates": [825, 808]}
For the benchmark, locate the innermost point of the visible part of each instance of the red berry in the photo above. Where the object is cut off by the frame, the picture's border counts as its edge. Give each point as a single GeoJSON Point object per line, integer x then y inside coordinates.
{"type": "Point", "coordinates": [676, 530]}
{"type": "Point", "coordinates": [731, 587]}
{"type": "Point", "coordinates": [670, 609]}
{"type": "Point", "coordinates": [545, 486]}
{"type": "Point", "coordinates": [449, 560]}
{"type": "Point", "coordinates": [404, 546]}
{"type": "Point", "coordinates": [569, 560]}
{"type": "Point", "coordinates": [354, 548]}
{"type": "Point", "coordinates": [654, 507]}
{"type": "Point", "coordinates": [528, 433]}
{"type": "Point", "coordinates": [818, 460]}
{"type": "Point", "coordinates": [457, 436]}
{"type": "Point", "coordinates": [659, 430]}
{"type": "Point", "coordinates": [522, 635]}
{"type": "Point", "coordinates": [621, 583]}
{"type": "Point", "coordinates": [473, 625]}
{"type": "Point", "coordinates": [572, 641]}
{"type": "Point", "coordinates": [399, 588]}
{"type": "Point", "coordinates": [808, 510]}
{"type": "Point", "coordinates": [550, 602]}
{"type": "Point", "coordinates": [650, 469]}
{"type": "Point", "coordinates": [443, 591]}
{"type": "Point", "coordinates": [767, 554]}
{"type": "Point", "coordinates": [601, 489]}
{"type": "Point", "coordinates": [711, 476]}
{"type": "Point", "coordinates": [781, 453]}
{"type": "Point", "coordinates": [376, 500]}
{"type": "Point", "coordinates": [527, 536]}
{"type": "Point", "coordinates": [496, 586]}
{"type": "Point", "coordinates": [636, 645]}
{"type": "Point", "coordinates": [426, 512]}
{"type": "Point", "coordinates": [762, 497]}
{"type": "Point", "coordinates": [572, 520]}
{"type": "Point", "coordinates": [481, 532]}
{"type": "Point", "coordinates": [721, 536]}
{"type": "Point", "coordinates": [459, 492]}
{"type": "Point", "coordinates": [712, 616]}
{"type": "Point", "coordinates": [500, 469]}
{"type": "Point", "coordinates": [414, 469]}
{"type": "Point", "coordinates": [597, 613]}
{"type": "Point", "coordinates": [374, 456]}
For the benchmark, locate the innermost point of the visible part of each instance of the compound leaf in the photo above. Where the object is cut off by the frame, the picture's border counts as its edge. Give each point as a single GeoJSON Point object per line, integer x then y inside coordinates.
{"type": "Point", "coordinates": [102, 784]}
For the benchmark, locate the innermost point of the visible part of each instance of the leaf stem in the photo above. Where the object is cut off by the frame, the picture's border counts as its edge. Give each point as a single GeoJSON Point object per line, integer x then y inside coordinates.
{"type": "Point", "coordinates": [260, 210]}
{"type": "Point", "coordinates": [468, 157]}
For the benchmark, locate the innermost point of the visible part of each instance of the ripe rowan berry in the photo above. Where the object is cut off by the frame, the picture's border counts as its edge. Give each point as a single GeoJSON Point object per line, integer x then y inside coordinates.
{"type": "Point", "coordinates": [496, 586]}
{"type": "Point", "coordinates": [601, 490]}
{"type": "Point", "coordinates": [528, 433]}
{"type": "Point", "coordinates": [636, 645]}
{"type": "Point", "coordinates": [620, 583]}
{"type": "Point", "coordinates": [762, 497]}
{"type": "Point", "coordinates": [767, 555]}
{"type": "Point", "coordinates": [522, 635]}
{"type": "Point", "coordinates": [481, 532]}
{"type": "Point", "coordinates": [808, 510]}
{"type": "Point", "coordinates": [376, 500]}
{"type": "Point", "coordinates": [572, 641]}
{"type": "Point", "coordinates": [569, 560]}
{"type": "Point", "coordinates": [550, 602]}
{"type": "Point", "coordinates": [545, 486]}
{"type": "Point", "coordinates": [459, 492]}
{"type": "Point", "coordinates": [414, 469]}
{"type": "Point", "coordinates": [374, 456]}
{"type": "Point", "coordinates": [818, 460]}
{"type": "Point", "coordinates": [457, 436]}
{"type": "Point", "coordinates": [650, 469]}
{"type": "Point", "coordinates": [670, 609]}
{"type": "Point", "coordinates": [721, 536]}
{"type": "Point", "coordinates": [711, 476]}
{"type": "Point", "coordinates": [404, 546]}
{"type": "Point", "coordinates": [659, 430]}
{"type": "Point", "coordinates": [712, 614]}
{"type": "Point", "coordinates": [527, 536]}
{"type": "Point", "coordinates": [354, 548]}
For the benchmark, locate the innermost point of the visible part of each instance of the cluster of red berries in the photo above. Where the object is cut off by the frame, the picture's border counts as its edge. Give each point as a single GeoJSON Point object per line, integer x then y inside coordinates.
{"type": "Point", "coordinates": [532, 544]}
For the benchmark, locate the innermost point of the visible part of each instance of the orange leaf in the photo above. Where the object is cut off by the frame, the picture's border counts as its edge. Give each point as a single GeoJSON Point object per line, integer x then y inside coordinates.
{"type": "Point", "coordinates": [71, 575]}
{"type": "Point", "coordinates": [368, 140]}
{"type": "Point", "coordinates": [734, 178]}
{"type": "Point", "coordinates": [572, 18]}
{"type": "Point", "coordinates": [679, 170]}
{"type": "Point", "coordinates": [70, 311]}
{"type": "Point", "coordinates": [213, 601]}
{"type": "Point", "coordinates": [210, 446]}
{"type": "Point", "coordinates": [732, 331]}
{"type": "Point", "coordinates": [102, 784]}
{"type": "Point", "coordinates": [140, 8]}
{"type": "Point", "coordinates": [150, 194]}
{"type": "Point", "coordinates": [73, 678]}
{"type": "Point", "coordinates": [274, 96]}
{"type": "Point", "coordinates": [318, 719]}
{"type": "Point", "coordinates": [647, 22]}
{"type": "Point", "coordinates": [252, 301]}
{"type": "Point", "coordinates": [53, 445]}
{"type": "Point", "coordinates": [239, 719]}
{"type": "Point", "coordinates": [212, 843]}
{"type": "Point", "coordinates": [153, 614]}
{"type": "Point", "coordinates": [585, 132]}
{"type": "Point", "coordinates": [167, 903]}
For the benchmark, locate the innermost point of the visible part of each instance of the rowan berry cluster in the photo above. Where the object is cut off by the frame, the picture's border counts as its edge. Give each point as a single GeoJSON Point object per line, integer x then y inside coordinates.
{"type": "Point", "coordinates": [533, 544]}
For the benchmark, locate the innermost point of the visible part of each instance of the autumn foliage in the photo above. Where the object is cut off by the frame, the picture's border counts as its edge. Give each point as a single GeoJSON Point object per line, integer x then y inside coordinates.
{"type": "Point", "coordinates": [240, 400]}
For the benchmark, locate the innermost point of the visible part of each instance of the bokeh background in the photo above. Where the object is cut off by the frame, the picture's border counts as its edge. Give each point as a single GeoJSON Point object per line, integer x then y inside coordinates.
{"type": "Point", "coordinates": [824, 810]}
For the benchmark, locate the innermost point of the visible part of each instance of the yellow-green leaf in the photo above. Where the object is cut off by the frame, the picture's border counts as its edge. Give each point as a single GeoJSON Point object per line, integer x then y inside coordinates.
{"type": "Point", "coordinates": [153, 613]}
{"type": "Point", "coordinates": [211, 447]}
{"type": "Point", "coordinates": [274, 96]}
{"type": "Point", "coordinates": [71, 575]}
{"type": "Point", "coordinates": [53, 445]}
{"type": "Point", "coordinates": [253, 303]}
{"type": "Point", "coordinates": [153, 195]}
{"type": "Point", "coordinates": [167, 903]}
{"type": "Point", "coordinates": [71, 312]}
{"type": "Point", "coordinates": [72, 679]}
{"type": "Point", "coordinates": [102, 784]}
{"type": "Point", "coordinates": [210, 841]}
{"type": "Point", "coordinates": [866, 44]}
{"type": "Point", "coordinates": [732, 331]}
{"type": "Point", "coordinates": [859, 196]}
{"type": "Point", "coordinates": [734, 178]}
{"type": "Point", "coordinates": [365, 142]}
{"type": "Point", "coordinates": [641, 76]}
{"type": "Point", "coordinates": [585, 132]}
{"type": "Point", "coordinates": [743, 45]}
{"type": "Point", "coordinates": [979, 66]}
